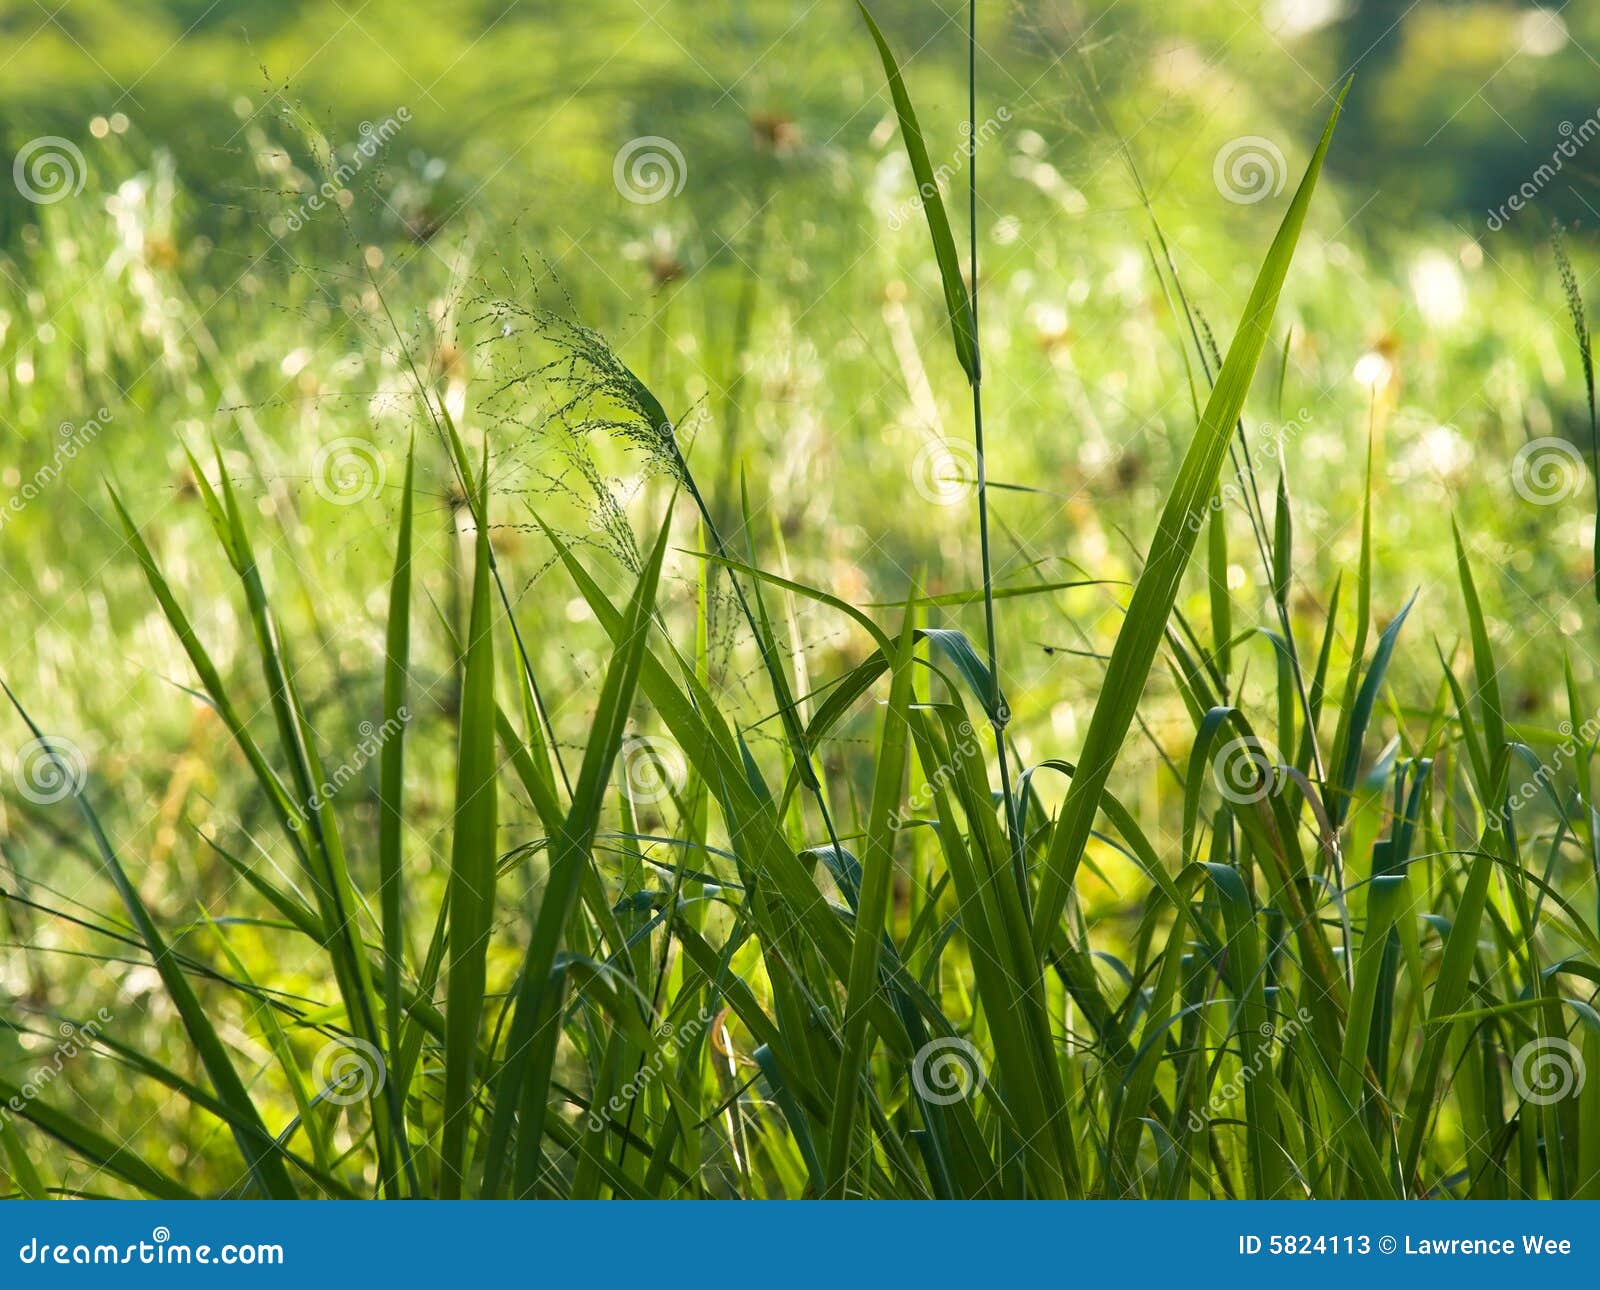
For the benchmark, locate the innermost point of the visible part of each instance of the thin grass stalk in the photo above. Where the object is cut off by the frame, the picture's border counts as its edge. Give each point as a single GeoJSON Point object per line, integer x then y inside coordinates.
{"type": "Point", "coordinates": [461, 467]}
{"type": "Point", "coordinates": [998, 713]}
{"type": "Point", "coordinates": [802, 754]}
{"type": "Point", "coordinates": [1585, 339]}
{"type": "Point", "coordinates": [455, 453]}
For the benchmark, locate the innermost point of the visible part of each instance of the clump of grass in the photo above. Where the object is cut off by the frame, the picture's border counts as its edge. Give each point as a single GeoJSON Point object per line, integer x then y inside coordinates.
{"type": "Point", "coordinates": [1359, 973]}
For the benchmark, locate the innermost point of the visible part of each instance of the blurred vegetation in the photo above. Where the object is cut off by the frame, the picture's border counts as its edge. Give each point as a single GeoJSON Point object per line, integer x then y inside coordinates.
{"type": "Point", "coordinates": [1459, 100]}
{"type": "Point", "coordinates": [786, 312]}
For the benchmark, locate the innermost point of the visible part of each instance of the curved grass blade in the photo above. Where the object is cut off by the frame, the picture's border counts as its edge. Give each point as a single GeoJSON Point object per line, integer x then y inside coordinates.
{"type": "Point", "coordinates": [77, 1137]}
{"type": "Point", "coordinates": [261, 1153]}
{"type": "Point", "coordinates": [1145, 623]}
{"type": "Point", "coordinates": [957, 302]}
{"type": "Point", "coordinates": [391, 887]}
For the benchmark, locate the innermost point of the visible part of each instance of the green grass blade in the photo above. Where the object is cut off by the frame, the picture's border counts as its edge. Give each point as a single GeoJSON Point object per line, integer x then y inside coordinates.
{"type": "Point", "coordinates": [473, 851]}
{"type": "Point", "coordinates": [877, 873]}
{"type": "Point", "coordinates": [391, 772]}
{"type": "Point", "coordinates": [1153, 596]}
{"type": "Point", "coordinates": [957, 302]}
{"type": "Point", "coordinates": [525, 1069]}
{"type": "Point", "coordinates": [1461, 946]}
{"type": "Point", "coordinates": [1360, 715]}
{"type": "Point", "coordinates": [255, 1143]}
{"type": "Point", "coordinates": [115, 1158]}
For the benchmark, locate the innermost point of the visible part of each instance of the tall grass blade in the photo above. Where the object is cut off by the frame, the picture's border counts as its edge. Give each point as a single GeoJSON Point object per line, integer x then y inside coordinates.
{"type": "Point", "coordinates": [392, 772]}
{"type": "Point", "coordinates": [523, 1081]}
{"type": "Point", "coordinates": [474, 851]}
{"type": "Point", "coordinates": [957, 302]}
{"type": "Point", "coordinates": [872, 908]}
{"type": "Point", "coordinates": [1153, 596]}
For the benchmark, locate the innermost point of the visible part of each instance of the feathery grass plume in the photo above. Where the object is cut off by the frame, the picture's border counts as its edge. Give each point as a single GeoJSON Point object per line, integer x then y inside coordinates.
{"type": "Point", "coordinates": [555, 381]}
{"type": "Point", "coordinates": [604, 395]}
{"type": "Point", "coordinates": [599, 393]}
{"type": "Point", "coordinates": [1585, 339]}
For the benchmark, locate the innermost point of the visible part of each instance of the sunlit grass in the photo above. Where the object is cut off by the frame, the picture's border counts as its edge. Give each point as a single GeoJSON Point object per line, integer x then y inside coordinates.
{"type": "Point", "coordinates": [682, 865]}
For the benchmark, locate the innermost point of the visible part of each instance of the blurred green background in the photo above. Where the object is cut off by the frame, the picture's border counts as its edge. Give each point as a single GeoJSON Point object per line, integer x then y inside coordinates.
{"type": "Point", "coordinates": [1457, 102]}
{"type": "Point", "coordinates": [778, 292]}
{"type": "Point", "coordinates": [779, 295]}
